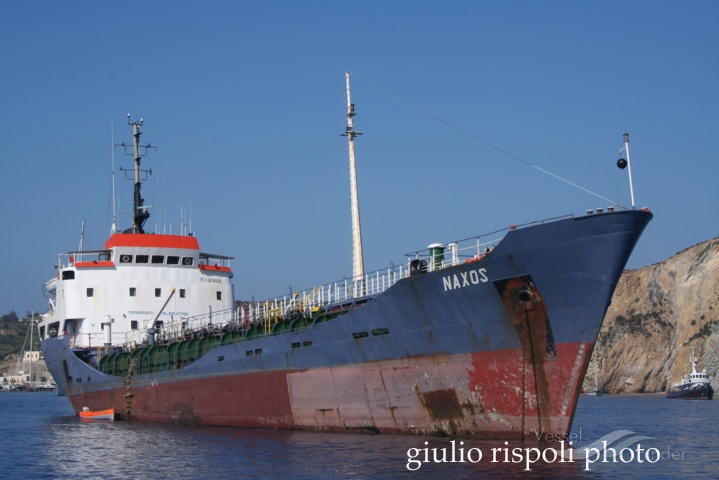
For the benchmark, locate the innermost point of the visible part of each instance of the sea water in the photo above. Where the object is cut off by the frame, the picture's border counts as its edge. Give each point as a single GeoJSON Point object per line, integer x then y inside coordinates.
{"type": "Point", "coordinates": [644, 437]}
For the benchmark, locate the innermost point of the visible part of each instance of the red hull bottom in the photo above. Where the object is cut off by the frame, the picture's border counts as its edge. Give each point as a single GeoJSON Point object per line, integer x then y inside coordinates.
{"type": "Point", "coordinates": [492, 395]}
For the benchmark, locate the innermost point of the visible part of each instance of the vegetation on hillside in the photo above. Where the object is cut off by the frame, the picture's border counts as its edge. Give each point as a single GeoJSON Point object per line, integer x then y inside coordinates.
{"type": "Point", "coordinates": [14, 333]}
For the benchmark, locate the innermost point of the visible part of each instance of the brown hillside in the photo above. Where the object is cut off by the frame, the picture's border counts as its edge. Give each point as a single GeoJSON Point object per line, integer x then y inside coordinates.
{"type": "Point", "coordinates": [658, 313]}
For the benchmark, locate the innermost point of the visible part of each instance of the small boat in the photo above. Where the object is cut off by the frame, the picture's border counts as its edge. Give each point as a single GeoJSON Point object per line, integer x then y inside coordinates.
{"type": "Point", "coordinates": [694, 386]}
{"type": "Point", "coordinates": [597, 392]}
{"type": "Point", "coordinates": [107, 415]}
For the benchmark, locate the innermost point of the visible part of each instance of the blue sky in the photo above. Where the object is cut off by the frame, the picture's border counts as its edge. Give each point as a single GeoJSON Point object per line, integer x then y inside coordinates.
{"type": "Point", "coordinates": [245, 102]}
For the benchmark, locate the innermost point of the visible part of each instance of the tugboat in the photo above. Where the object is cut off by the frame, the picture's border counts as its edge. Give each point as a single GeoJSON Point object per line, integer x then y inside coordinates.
{"type": "Point", "coordinates": [694, 386]}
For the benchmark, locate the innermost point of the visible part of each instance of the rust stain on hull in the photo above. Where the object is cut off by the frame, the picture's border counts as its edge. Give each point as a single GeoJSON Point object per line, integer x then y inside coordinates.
{"type": "Point", "coordinates": [442, 404]}
{"type": "Point", "coordinates": [468, 395]}
{"type": "Point", "coordinates": [530, 319]}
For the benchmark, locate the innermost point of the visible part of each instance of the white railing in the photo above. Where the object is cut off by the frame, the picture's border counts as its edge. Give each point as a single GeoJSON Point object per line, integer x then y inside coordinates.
{"type": "Point", "coordinates": [343, 294]}
{"type": "Point", "coordinates": [340, 294]}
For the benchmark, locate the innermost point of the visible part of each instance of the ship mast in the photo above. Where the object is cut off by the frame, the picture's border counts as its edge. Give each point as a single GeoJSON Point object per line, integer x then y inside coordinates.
{"type": "Point", "coordinates": [357, 258]}
{"type": "Point", "coordinates": [629, 167]}
{"type": "Point", "coordinates": [140, 213]}
{"type": "Point", "coordinates": [624, 163]}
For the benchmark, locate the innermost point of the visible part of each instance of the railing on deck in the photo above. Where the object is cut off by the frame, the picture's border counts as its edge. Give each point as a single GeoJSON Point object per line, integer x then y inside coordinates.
{"type": "Point", "coordinates": [344, 294]}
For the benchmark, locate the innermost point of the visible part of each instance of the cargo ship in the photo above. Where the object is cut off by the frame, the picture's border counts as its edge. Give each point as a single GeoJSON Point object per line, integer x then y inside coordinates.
{"type": "Point", "coordinates": [487, 337]}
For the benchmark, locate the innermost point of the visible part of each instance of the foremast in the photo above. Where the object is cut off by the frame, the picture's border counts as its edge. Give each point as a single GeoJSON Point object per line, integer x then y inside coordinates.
{"type": "Point", "coordinates": [357, 257]}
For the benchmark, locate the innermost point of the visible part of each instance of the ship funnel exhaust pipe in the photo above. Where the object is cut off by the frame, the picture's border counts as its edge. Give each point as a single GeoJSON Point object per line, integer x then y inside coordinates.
{"type": "Point", "coordinates": [151, 336]}
{"type": "Point", "coordinates": [107, 328]}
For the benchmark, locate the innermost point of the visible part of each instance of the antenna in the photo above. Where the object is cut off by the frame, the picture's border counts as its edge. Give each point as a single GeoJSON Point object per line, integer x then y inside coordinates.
{"type": "Point", "coordinates": [115, 227]}
{"type": "Point", "coordinates": [140, 212]}
{"type": "Point", "coordinates": [81, 246]}
{"type": "Point", "coordinates": [82, 236]}
{"type": "Point", "coordinates": [191, 231]}
{"type": "Point", "coordinates": [626, 163]}
{"type": "Point", "coordinates": [357, 257]}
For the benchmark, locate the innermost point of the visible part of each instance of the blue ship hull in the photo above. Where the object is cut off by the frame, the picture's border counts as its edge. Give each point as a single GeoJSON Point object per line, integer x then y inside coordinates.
{"type": "Point", "coordinates": [494, 348]}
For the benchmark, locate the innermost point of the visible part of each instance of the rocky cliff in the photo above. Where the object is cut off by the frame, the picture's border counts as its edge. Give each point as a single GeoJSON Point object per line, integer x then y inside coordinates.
{"type": "Point", "coordinates": [658, 314]}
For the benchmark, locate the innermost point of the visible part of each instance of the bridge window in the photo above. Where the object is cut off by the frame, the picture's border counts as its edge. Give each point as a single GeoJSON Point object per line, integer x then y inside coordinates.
{"type": "Point", "coordinates": [68, 275]}
{"type": "Point", "coordinates": [158, 259]}
{"type": "Point", "coordinates": [142, 258]}
{"type": "Point", "coordinates": [173, 260]}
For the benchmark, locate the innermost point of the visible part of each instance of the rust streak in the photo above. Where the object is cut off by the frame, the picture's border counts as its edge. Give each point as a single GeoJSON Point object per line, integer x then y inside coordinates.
{"type": "Point", "coordinates": [531, 322]}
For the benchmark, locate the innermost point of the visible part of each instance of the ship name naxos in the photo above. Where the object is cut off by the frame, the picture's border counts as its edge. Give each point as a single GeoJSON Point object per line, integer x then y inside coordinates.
{"type": "Point", "coordinates": [465, 279]}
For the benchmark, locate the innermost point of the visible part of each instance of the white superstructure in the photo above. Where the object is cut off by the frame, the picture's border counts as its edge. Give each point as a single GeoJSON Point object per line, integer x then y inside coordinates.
{"type": "Point", "coordinates": [139, 281]}
{"type": "Point", "coordinates": [141, 284]}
